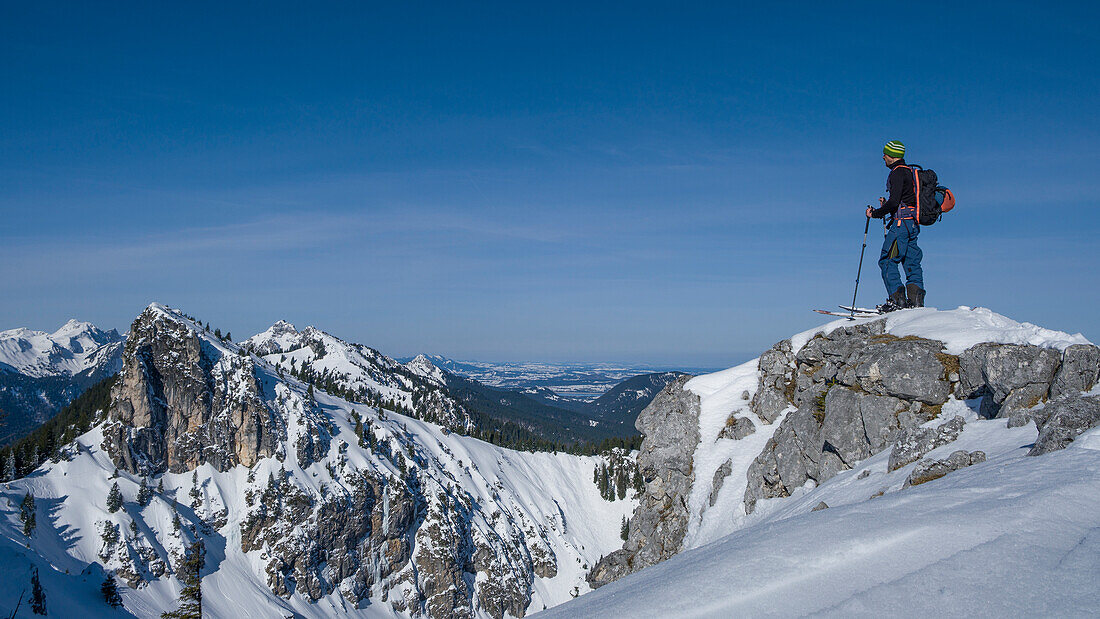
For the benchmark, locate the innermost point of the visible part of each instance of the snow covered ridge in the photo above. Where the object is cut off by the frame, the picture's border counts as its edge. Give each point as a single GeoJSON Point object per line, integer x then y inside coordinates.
{"type": "Point", "coordinates": [40, 372]}
{"type": "Point", "coordinates": [361, 373]}
{"type": "Point", "coordinates": [878, 406]}
{"type": "Point", "coordinates": [74, 348]}
{"type": "Point", "coordinates": [306, 503]}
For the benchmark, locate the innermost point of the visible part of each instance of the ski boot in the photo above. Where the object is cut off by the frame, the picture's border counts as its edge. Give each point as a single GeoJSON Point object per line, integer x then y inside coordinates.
{"type": "Point", "coordinates": [894, 302]}
{"type": "Point", "coordinates": [916, 295]}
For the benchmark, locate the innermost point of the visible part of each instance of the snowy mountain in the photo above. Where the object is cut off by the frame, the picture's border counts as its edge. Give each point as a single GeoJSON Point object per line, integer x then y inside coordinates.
{"type": "Point", "coordinates": [306, 504]}
{"type": "Point", "coordinates": [925, 463]}
{"type": "Point", "coordinates": [41, 372]}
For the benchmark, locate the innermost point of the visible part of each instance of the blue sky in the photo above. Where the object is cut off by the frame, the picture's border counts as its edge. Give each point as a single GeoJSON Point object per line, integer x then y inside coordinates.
{"type": "Point", "coordinates": [634, 182]}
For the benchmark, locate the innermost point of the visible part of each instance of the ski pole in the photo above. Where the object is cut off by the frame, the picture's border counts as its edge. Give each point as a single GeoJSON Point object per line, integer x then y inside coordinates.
{"type": "Point", "coordinates": [866, 227]}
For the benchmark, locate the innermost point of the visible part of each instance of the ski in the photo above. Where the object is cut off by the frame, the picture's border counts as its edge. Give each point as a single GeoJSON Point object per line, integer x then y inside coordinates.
{"type": "Point", "coordinates": [849, 315]}
{"type": "Point", "coordinates": [859, 310]}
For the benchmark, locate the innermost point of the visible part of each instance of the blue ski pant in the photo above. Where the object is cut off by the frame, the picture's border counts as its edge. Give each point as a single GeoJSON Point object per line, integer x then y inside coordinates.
{"type": "Point", "coordinates": [900, 247]}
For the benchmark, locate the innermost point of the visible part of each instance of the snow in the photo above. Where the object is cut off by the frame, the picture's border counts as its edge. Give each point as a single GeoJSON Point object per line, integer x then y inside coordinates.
{"type": "Point", "coordinates": [958, 329]}
{"type": "Point", "coordinates": [73, 348]}
{"type": "Point", "coordinates": [1013, 533]}
{"type": "Point", "coordinates": [542, 496]}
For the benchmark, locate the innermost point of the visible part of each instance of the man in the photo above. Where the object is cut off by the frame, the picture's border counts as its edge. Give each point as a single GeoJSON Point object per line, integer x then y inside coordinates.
{"type": "Point", "coordinates": [900, 244]}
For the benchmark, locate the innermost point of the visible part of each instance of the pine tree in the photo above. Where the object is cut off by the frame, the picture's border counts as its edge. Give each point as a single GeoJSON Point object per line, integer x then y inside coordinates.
{"type": "Point", "coordinates": [190, 574]}
{"type": "Point", "coordinates": [27, 514]}
{"type": "Point", "coordinates": [145, 494]}
{"type": "Point", "coordinates": [114, 499]}
{"type": "Point", "coordinates": [110, 591]}
{"type": "Point", "coordinates": [160, 486]}
{"type": "Point", "coordinates": [9, 466]}
{"type": "Point", "coordinates": [38, 596]}
{"type": "Point", "coordinates": [624, 529]}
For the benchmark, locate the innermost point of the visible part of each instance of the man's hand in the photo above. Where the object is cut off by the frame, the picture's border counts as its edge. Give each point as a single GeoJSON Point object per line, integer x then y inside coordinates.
{"type": "Point", "coordinates": [868, 212]}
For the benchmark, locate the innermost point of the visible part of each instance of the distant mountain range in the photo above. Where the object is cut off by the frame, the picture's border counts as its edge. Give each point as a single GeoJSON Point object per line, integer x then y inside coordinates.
{"type": "Point", "coordinates": [555, 383]}
{"type": "Point", "coordinates": [42, 372]}
{"type": "Point", "coordinates": [564, 404]}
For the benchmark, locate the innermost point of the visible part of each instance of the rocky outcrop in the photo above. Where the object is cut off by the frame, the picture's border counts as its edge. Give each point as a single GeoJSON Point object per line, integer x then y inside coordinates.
{"type": "Point", "coordinates": [1010, 377]}
{"type": "Point", "coordinates": [857, 390]}
{"type": "Point", "coordinates": [181, 402]}
{"type": "Point", "coordinates": [1063, 420]}
{"type": "Point", "coordinates": [776, 368]}
{"type": "Point", "coordinates": [929, 470]}
{"type": "Point", "coordinates": [670, 425]}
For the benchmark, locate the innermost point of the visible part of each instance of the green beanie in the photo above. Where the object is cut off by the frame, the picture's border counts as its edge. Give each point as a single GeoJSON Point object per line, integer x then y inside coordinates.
{"type": "Point", "coordinates": [894, 148]}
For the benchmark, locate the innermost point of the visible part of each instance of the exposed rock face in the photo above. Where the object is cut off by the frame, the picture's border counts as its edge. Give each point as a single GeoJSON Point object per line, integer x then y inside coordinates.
{"type": "Point", "coordinates": [1012, 377]}
{"type": "Point", "coordinates": [857, 391]}
{"type": "Point", "coordinates": [775, 380]}
{"type": "Point", "coordinates": [180, 403]}
{"type": "Point", "coordinates": [1063, 420]}
{"type": "Point", "coordinates": [928, 470]}
{"type": "Point", "coordinates": [1078, 372]}
{"type": "Point", "coordinates": [671, 427]}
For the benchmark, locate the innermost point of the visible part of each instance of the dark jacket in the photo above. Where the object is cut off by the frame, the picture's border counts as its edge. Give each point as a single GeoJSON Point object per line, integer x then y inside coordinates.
{"type": "Point", "coordinates": [899, 186]}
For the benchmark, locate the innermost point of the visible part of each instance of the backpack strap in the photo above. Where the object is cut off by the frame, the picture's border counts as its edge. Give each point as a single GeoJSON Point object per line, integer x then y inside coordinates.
{"type": "Point", "coordinates": [912, 167]}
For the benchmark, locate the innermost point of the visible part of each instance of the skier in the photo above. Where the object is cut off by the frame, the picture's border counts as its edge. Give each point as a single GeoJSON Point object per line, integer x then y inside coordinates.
{"type": "Point", "coordinates": [900, 244]}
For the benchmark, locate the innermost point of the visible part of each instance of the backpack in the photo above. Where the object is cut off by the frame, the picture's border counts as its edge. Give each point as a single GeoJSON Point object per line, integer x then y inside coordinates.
{"type": "Point", "coordinates": [933, 199]}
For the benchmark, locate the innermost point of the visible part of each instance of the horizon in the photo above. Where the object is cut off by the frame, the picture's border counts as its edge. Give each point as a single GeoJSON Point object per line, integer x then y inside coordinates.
{"type": "Point", "coordinates": [669, 187]}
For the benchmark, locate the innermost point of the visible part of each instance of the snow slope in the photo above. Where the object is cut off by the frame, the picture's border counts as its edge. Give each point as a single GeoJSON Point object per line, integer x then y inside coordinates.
{"type": "Point", "coordinates": [1014, 535]}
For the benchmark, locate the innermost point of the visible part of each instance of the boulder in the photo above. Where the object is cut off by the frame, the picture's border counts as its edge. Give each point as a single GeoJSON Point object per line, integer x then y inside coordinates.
{"type": "Point", "coordinates": [928, 470]}
{"type": "Point", "coordinates": [737, 428]}
{"type": "Point", "coordinates": [1064, 420]}
{"type": "Point", "coordinates": [1078, 372]}
{"type": "Point", "coordinates": [999, 370]}
{"type": "Point", "coordinates": [914, 443]}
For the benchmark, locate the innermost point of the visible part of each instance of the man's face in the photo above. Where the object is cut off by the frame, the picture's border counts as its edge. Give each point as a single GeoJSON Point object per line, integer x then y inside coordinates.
{"type": "Point", "coordinates": [888, 160]}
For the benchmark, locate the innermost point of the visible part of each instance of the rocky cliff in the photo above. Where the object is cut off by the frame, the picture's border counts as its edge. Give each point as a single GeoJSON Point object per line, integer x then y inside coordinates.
{"type": "Point", "coordinates": [337, 502]}
{"type": "Point", "coordinates": [820, 403]}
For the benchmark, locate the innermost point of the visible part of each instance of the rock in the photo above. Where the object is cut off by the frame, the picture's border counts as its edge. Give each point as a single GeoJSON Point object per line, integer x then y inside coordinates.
{"type": "Point", "coordinates": [904, 368]}
{"type": "Point", "coordinates": [737, 428]}
{"type": "Point", "coordinates": [719, 480]}
{"type": "Point", "coordinates": [610, 568]}
{"type": "Point", "coordinates": [670, 425]}
{"type": "Point", "coordinates": [179, 402]}
{"type": "Point", "coordinates": [857, 425]}
{"type": "Point", "coordinates": [928, 470]}
{"type": "Point", "coordinates": [745, 395]}
{"type": "Point", "coordinates": [771, 396]}
{"type": "Point", "coordinates": [820, 506]}
{"type": "Point", "coordinates": [1078, 372]}
{"type": "Point", "coordinates": [913, 444]}
{"type": "Point", "coordinates": [1064, 420]}
{"type": "Point", "coordinates": [1000, 369]}
{"type": "Point", "coordinates": [864, 474]}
